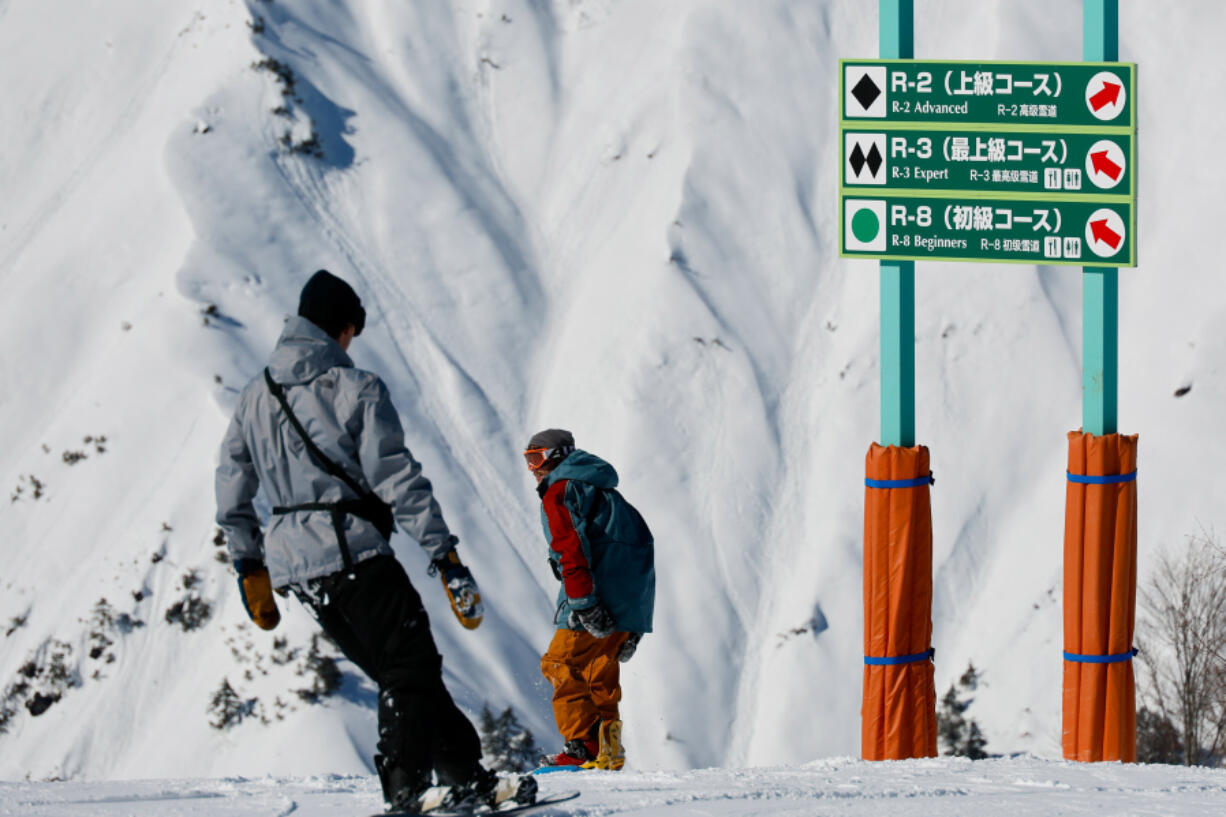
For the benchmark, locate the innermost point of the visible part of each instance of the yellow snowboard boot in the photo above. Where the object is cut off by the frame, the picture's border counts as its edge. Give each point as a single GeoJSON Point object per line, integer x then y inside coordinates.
{"type": "Point", "coordinates": [612, 755]}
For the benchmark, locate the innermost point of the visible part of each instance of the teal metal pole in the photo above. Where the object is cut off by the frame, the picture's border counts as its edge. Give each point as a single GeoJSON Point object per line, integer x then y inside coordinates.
{"type": "Point", "coordinates": [1100, 286]}
{"type": "Point", "coordinates": [896, 25]}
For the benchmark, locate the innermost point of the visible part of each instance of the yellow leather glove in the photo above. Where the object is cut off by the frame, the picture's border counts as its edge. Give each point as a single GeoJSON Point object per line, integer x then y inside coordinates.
{"type": "Point", "coordinates": [256, 590]}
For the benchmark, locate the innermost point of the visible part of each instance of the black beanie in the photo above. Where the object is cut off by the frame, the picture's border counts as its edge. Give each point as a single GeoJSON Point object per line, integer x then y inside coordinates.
{"type": "Point", "coordinates": [331, 304]}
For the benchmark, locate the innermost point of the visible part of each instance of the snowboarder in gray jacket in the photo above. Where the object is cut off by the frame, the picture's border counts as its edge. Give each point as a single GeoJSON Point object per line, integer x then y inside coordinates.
{"type": "Point", "coordinates": [324, 442]}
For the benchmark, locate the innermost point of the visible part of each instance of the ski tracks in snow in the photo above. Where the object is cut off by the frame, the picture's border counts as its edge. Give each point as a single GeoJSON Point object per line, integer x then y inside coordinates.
{"type": "Point", "coordinates": [423, 358]}
{"type": "Point", "coordinates": [127, 120]}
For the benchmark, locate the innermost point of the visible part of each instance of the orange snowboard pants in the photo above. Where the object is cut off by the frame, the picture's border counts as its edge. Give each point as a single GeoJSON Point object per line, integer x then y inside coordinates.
{"type": "Point", "coordinates": [586, 679]}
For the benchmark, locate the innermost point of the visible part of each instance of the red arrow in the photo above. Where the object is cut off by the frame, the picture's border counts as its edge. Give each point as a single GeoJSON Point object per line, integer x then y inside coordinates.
{"type": "Point", "coordinates": [1105, 234]}
{"type": "Point", "coordinates": [1104, 165]}
{"type": "Point", "coordinates": [1107, 96]}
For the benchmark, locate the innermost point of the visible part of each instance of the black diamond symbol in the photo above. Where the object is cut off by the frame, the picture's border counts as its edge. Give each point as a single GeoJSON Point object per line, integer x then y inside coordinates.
{"type": "Point", "coordinates": [859, 160]}
{"type": "Point", "coordinates": [866, 92]}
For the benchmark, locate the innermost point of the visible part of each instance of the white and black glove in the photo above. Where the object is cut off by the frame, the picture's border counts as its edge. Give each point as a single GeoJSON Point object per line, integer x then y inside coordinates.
{"type": "Point", "coordinates": [595, 619]}
{"type": "Point", "coordinates": [626, 651]}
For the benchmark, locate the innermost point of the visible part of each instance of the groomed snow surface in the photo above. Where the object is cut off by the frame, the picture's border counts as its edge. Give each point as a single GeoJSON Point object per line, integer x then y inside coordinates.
{"type": "Point", "coordinates": [835, 786]}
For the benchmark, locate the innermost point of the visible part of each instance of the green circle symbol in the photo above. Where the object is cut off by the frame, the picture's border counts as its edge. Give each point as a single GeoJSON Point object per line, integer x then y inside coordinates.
{"type": "Point", "coordinates": [865, 225]}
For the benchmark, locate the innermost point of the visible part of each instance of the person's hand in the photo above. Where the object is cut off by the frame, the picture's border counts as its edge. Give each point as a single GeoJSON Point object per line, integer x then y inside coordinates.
{"type": "Point", "coordinates": [256, 590]}
{"type": "Point", "coordinates": [626, 651]}
{"type": "Point", "coordinates": [595, 619]}
{"type": "Point", "coordinates": [461, 589]}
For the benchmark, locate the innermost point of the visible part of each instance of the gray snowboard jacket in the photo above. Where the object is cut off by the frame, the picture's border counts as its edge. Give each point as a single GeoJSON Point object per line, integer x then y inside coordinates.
{"type": "Point", "coordinates": [350, 417]}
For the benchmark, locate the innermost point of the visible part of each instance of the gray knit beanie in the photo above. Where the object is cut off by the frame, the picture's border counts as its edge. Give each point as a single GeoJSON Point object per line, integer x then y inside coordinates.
{"type": "Point", "coordinates": [553, 438]}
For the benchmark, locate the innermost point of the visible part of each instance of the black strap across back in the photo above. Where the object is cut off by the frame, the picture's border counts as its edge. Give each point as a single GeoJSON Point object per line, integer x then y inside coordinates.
{"type": "Point", "coordinates": [367, 506]}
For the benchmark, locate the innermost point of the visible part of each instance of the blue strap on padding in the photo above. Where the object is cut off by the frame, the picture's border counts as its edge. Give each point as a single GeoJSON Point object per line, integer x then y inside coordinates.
{"type": "Point", "coordinates": [1115, 479]}
{"type": "Point", "coordinates": [894, 660]}
{"type": "Point", "coordinates": [918, 482]}
{"type": "Point", "coordinates": [1100, 659]}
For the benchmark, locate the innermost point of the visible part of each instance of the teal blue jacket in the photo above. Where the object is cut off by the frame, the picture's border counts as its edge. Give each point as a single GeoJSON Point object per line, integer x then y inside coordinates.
{"type": "Point", "coordinates": [599, 545]}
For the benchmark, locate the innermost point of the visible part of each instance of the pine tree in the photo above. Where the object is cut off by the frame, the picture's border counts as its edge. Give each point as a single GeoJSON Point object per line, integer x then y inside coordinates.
{"type": "Point", "coordinates": [494, 740]}
{"type": "Point", "coordinates": [325, 675]}
{"type": "Point", "coordinates": [959, 735]}
{"type": "Point", "coordinates": [486, 726]}
{"type": "Point", "coordinates": [976, 744]}
{"type": "Point", "coordinates": [227, 708]}
{"type": "Point", "coordinates": [970, 679]}
{"type": "Point", "coordinates": [506, 745]}
{"type": "Point", "coordinates": [951, 723]}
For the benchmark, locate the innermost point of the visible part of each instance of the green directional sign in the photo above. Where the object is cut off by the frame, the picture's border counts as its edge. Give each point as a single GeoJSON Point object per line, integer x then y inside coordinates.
{"type": "Point", "coordinates": [989, 93]}
{"type": "Point", "coordinates": [1017, 162]}
{"type": "Point", "coordinates": [1031, 231]}
{"type": "Point", "coordinates": [1038, 162]}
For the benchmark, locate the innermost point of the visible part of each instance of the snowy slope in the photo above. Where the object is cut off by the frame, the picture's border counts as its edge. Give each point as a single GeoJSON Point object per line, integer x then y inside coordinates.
{"type": "Point", "coordinates": [615, 216]}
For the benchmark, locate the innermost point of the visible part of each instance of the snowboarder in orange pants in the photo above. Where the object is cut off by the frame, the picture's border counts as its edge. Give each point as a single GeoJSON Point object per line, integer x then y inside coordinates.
{"type": "Point", "coordinates": [602, 552]}
{"type": "Point", "coordinates": [585, 675]}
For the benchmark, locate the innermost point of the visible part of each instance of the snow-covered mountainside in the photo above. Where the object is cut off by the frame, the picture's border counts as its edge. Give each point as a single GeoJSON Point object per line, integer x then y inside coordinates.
{"type": "Point", "coordinates": [613, 216]}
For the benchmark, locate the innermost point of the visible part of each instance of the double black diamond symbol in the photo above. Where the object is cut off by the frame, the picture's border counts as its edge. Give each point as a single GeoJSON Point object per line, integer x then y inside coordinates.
{"type": "Point", "coordinates": [858, 160]}
{"type": "Point", "coordinates": [866, 92]}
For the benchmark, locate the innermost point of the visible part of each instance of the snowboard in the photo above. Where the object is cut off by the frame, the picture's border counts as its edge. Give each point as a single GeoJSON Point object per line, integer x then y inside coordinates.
{"type": "Point", "coordinates": [541, 803]}
{"type": "Point", "coordinates": [552, 769]}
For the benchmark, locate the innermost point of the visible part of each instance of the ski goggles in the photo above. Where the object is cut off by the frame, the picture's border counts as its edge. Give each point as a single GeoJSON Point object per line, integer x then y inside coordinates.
{"type": "Point", "coordinates": [538, 457]}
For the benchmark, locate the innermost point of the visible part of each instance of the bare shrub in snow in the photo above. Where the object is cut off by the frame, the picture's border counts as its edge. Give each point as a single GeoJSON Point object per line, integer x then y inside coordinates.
{"type": "Point", "coordinates": [16, 623]}
{"type": "Point", "coordinates": [1182, 638]}
{"type": "Point", "coordinates": [36, 488]}
{"type": "Point", "coordinates": [1157, 738]}
{"type": "Point", "coordinates": [282, 653]}
{"type": "Point", "coordinates": [283, 73]}
{"type": "Point", "coordinates": [105, 623]}
{"type": "Point", "coordinates": [190, 612]}
{"type": "Point", "coordinates": [310, 146]}
{"type": "Point", "coordinates": [301, 137]}
{"type": "Point", "coordinates": [41, 681]}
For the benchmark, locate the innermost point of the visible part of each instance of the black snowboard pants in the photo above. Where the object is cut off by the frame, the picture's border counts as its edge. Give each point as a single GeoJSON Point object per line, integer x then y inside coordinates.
{"type": "Point", "coordinates": [375, 616]}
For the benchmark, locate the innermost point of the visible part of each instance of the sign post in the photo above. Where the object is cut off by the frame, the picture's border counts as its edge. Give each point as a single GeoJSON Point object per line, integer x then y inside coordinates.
{"type": "Point", "coordinates": [1100, 285]}
{"type": "Point", "coordinates": [1098, 708]}
{"type": "Point", "coordinates": [1006, 162]}
{"type": "Point", "coordinates": [896, 24]}
{"type": "Point", "coordinates": [898, 707]}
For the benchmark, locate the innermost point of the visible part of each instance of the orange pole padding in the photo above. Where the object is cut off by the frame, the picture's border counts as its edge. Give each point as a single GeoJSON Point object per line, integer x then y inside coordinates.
{"type": "Point", "coordinates": [898, 714]}
{"type": "Point", "coordinates": [1100, 595]}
